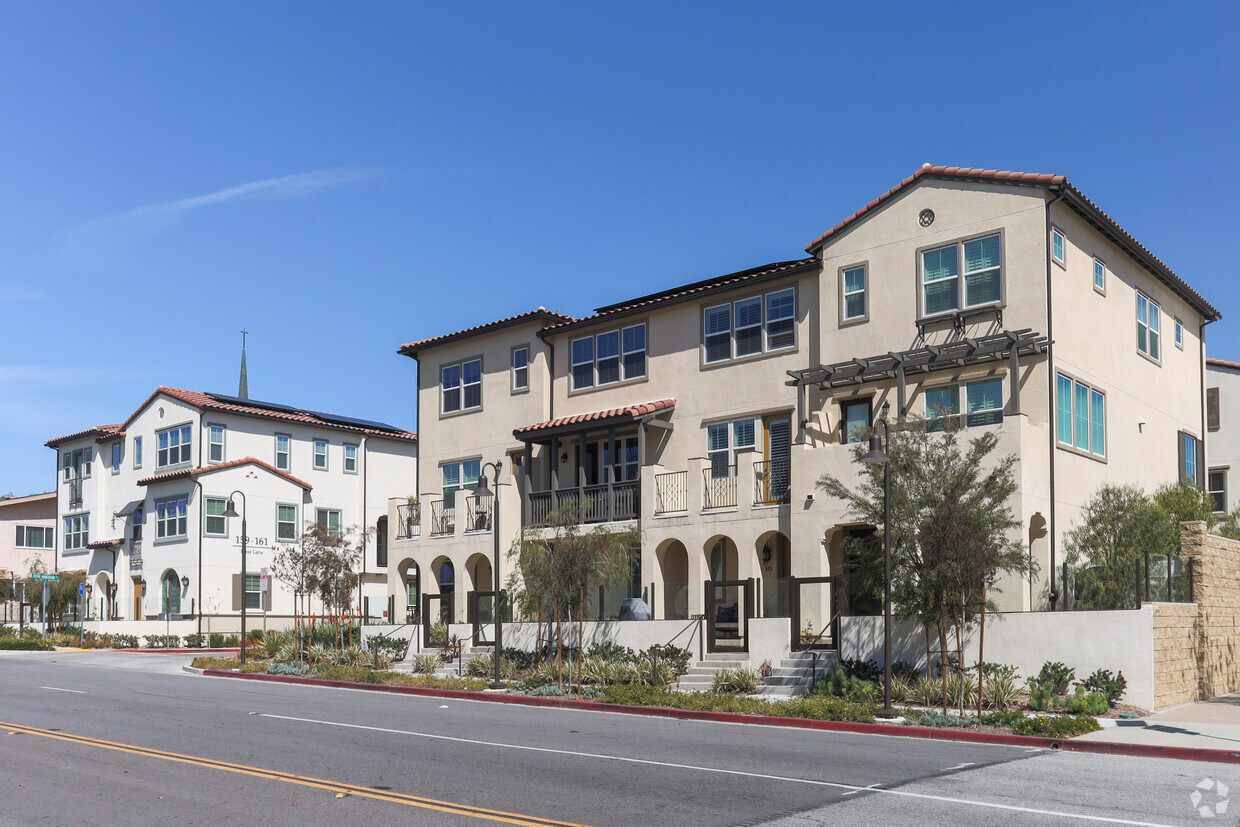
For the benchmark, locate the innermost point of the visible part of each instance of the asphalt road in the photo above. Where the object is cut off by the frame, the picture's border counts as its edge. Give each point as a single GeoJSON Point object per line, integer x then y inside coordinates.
{"type": "Point", "coordinates": [114, 738]}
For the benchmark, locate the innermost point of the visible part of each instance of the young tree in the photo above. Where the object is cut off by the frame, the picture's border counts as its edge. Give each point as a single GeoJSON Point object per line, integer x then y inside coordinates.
{"type": "Point", "coordinates": [323, 565]}
{"type": "Point", "coordinates": [557, 565]}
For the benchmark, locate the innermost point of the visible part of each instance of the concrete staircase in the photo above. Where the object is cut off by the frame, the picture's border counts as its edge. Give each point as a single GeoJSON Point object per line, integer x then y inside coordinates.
{"type": "Point", "coordinates": [794, 676]}
{"type": "Point", "coordinates": [701, 676]}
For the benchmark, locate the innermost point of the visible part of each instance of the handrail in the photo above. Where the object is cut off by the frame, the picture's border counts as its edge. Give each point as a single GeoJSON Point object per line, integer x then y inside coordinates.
{"type": "Point", "coordinates": [816, 652]}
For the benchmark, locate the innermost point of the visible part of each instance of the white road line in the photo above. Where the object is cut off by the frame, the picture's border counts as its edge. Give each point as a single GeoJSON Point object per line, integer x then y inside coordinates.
{"type": "Point", "coordinates": [58, 689]}
{"type": "Point", "coordinates": [958, 767]}
{"type": "Point", "coordinates": [719, 771]}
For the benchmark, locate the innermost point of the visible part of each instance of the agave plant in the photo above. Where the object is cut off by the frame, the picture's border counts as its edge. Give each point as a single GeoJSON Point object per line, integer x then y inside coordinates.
{"type": "Point", "coordinates": [425, 664]}
{"type": "Point", "coordinates": [742, 681]}
{"type": "Point", "coordinates": [1001, 691]}
{"type": "Point", "coordinates": [275, 641]}
{"type": "Point", "coordinates": [899, 689]}
{"type": "Point", "coordinates": [925, 692]}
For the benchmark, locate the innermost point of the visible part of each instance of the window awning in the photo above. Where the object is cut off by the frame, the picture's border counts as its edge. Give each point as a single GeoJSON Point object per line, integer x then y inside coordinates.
{"type": "Point", "coordinates": [129, 508]}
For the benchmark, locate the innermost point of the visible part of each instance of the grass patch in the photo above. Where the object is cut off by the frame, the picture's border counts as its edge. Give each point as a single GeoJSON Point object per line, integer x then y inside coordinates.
{"type": "Point", "coordinates": [815, 707]}
{"type": "Point", "coordinates": [228, 664]}
{"type": "Point", "coordinates": [1066, 726]}
{"type": "Point", "coordinates": [18, 644]}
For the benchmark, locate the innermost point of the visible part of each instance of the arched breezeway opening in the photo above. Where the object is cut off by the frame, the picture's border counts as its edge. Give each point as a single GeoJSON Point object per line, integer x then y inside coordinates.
{"type": "Point", "coordinates": [410, 578]}
{"type": "Point", "coordinates": [774, 557]}
{"type": "Point", "coordinates": [674, 571]}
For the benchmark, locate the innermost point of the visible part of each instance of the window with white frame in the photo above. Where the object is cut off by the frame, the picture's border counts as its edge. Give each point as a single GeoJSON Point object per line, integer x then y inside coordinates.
{"type": "Point", "coordinates": [328, 519]}
{"type": "Point", "coordinates": [286, 523]}
{"type": "Point", "coordinates": [77, 463]}
{"type": "Point", "coordinates": [350, 459]}
{"type": "Point", "coordinates": [1080, 416]}
{"type": "Point", "coordinates": [1057, 246]}
{"type": "Point", "coordinates": [625, 466]}
{"type": "Point", "coordinates": [1216, 487]}
{"type": "Point", "coordinates": [283, 452]}
{"type": "Point", "coordinates": [461, 386]}
{"type": "Point", "coordinates": [77, 531]}
{"type": "Point", "coordinates": [35, 536]}
{"type": "Point", "coordinates": [726, 440]}
{"type": "Point", "coordinates": [216, 524]}
{"type": "Point", "coordinates": [609, 357]}
{"type": "Point", "coordinates": [458, 476]}
{"type": "Point", "coordinates": [1190, 458]}
{"type": "Point", "coordinates": [320, 455]}
{"type": "Point", "coordinates": [137, 522]}
{"type": "Point", "coordinates": [853, 293]}
{"type": "Point", "coordinates": [520, 368]}
{"type": "Point", "coordinates": [1149, 327]}
{"type": "Point", "coordinates": [116, 457]}
{"type": "Point", "coordinates": [170, 518]}
{"type": "Point", "coordinates": [983, 404]}
{"type": "Point", "coordinates": [137, 452]}
{"type": "Point", "coordinates": [943, 288]}
{"type": "Point", "coordinates": [215, 443]}
{"type": "Point", "coordinates": [749, 326]}
{"type": "Point", "coordinates": [1100, 276]}
{"type": "Point", "coordinates": [1179, 334]}
{"type": "Point", "coordinates": [174, 446]}
{"type": "Point", "coordinates": [253, 591]}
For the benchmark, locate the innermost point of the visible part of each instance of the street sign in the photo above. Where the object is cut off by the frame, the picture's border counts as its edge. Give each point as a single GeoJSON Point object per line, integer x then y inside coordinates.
{"type": "Point", "coordinates": [81, 589]}
{"type": "Point", "coordinates": [45, 576]}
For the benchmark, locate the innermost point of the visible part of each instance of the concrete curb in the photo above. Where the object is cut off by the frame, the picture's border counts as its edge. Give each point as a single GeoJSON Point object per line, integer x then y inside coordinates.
{"type": "Point", "coordinates": [930, 733]}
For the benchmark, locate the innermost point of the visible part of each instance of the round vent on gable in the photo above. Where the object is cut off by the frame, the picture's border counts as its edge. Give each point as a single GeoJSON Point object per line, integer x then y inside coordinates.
{"type": "Point", "coordinates": [925, 218]}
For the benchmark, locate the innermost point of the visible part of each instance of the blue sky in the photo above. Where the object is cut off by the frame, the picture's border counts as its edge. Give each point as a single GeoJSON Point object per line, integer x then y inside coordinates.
{"type": "Point", "coordinates": [341, 178]}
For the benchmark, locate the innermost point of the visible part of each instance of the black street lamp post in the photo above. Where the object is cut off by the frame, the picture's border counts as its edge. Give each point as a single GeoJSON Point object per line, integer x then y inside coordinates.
{"type": "Point", "coordinates": [497, 682]}
{"type": "Point", "coordinates": [231, 511]}
{"type": "Point", "coordinates": [879, 454]}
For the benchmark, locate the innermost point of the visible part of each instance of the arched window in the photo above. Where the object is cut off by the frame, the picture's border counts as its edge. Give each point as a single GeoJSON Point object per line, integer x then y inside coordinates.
{"type": "Point", "coordinates": [447, 577]}
{"type": "Point", "coordinates": [171, 602]}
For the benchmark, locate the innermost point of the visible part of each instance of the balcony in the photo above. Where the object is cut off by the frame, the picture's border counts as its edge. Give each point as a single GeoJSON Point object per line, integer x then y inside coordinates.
{"type": "Point", "coordinates": [719, 487]}
{"type": "Point", "coordinates": [478, 510]}
{"type": "Point", "coordinates": [75, 492]}
{"type": "Point", "coordinates": [443, 519]}
{"type": "Point", "coordinates": [671, 493]}
{"type": "Point", "coordinates": [408, 521]}
{"type": "Point", "coordinates": [607, 503]}
{"type": "Point", "coordinates": [771, 482]}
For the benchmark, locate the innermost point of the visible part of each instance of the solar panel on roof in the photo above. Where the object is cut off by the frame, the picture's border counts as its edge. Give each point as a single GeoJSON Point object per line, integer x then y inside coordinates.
{"type": "Point", "coordinates": [254, 403]}
{"type": "Point", "coordinates": [349, 420]}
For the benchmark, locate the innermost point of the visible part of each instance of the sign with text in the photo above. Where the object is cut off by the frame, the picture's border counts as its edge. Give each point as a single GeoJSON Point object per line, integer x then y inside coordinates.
{"type": "Point", "coordinates": [45, 576]}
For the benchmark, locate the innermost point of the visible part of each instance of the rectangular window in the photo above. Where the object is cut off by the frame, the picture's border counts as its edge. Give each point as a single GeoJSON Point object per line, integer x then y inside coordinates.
{"type": "Point", "coordinates": [116, 457]}
{"type": "Point", "coordinates": [450, 384]}
{"type": "Point", "coordinates": [35, 536]}
{"type": "Point", "coordinates": [607, 358]}
{"type": "Point", "coordinates": [253, 591]}
{"type": "Point", "coordinates": [216, 523]}
{"type": "Point", "coordinates": [1100, 276]}
{"type": "Point", "coordinates": [942, 406]}
{"type": "Point", "coordinates": [1057, 246]}
{"type": "Point", "coordinates": [458, 475]}
{"type": "Point", "coordinates": [748, 333]}
{"type": "Point", "coordinates": [1149, 326]}
{"type": "Point", "coordinates": [215, 443]}
{"type": "Point", "coordinates": [170, 520]}
{"type": "Point", "coordinates": [286, 523]}
{"type": "Point", "coordinates": [137, 452]}
{"type": "Point", "coordinates": [1190, 459]}
{"type": "Point", "coordinates": [583, 363]}
{"type": "Point", "coordinates": [350, 459]}
{"type": "Point", "coordinates": [942, 288]}
{"type": "Point", "coordinates": [726, 440]}
{"type": "Point", "coordinates": [780, 318]}
{"type": "Point", "coordinates": [854, 293]}
{"type": "Point", "coordinates": [77, 531]}
{"type": "Point", "coordinates": [855, 420]}
{"type": "Point", "coordinates": [471, 378]}
{"type": "Point", "coordinates": [461, 386]}
{"type": "Point", "coordinates": [1080, 420]}
{"type": "Point", "coordinates": [136, 533]}
{"type": "Point", "coordinates": [748, 326]}
{"type": "Point", "coordinates": [1179, 334]}
{"type": "Point", "coordinates": [1216, 488]}
{"type": "Point", "coordinates": [328, 519]}
{"type": "Point", "coordinates": [520, 368]}
{"type": "Point", "coordinates": [983, 404]}
{"type": "Point", "coordinates": [717, 324]}
{"type": "Point", "coordinates": [610, 357]}
{"type": "Point", "coordinates": [625, 466]}
{"type": "Point", "coordinates": [173, 446]}
{"type": "Point", "coordinates": [634, 351]}
{"type": "Point", "coordinates": [77, 463]}
{"type": "Point", "coordinates": [320, 455]}
{"type": "Point", "coordinates": [283, 457]}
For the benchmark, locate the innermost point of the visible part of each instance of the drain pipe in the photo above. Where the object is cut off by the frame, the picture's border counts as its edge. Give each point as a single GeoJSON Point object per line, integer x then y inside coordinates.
{"type": "Point", "coordinates": [1050, 373]}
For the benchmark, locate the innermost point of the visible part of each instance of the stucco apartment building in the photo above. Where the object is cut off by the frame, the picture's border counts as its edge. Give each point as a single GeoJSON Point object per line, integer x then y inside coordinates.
{"type": "Point", "coordinates": [705, 414]}
{"type": "Point", "coordinates": [1223, 433]}
{"type": "Point", "coordinates": [142, 503]}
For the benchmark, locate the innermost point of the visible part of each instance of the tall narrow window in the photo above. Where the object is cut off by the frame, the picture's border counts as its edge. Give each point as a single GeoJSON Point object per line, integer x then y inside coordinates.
{"type": "Point", "coordinates": [982, 277]}
{"type": "Point", "coordinates": [607, 357]}
{"type": "Point", "coordinates": [854, 293]}
{"type": "Point", "coordinates": [1149, 326]}
{"type": "Point", "coordinates": [940, 274]}
{"type": "Point", "coordinates": [634, 351]}
{"type": "Point", "coordinates": [215, 446]}
{"type": "Point", "coordinates": [1057, 246]}
{"type": "Point", "coordinates": [1063, 409]}
{"type": "Point", "coordinates": [1217, 489]}
{"type": "Point", "coordinates": [780, 319]}
{"type": "Point", "coordinates": [1179, 334]}
{"type": "Point", "coordinates": [283, 459]}
{"type": "Point", "coordinates": [1190, 459]}
{"type": "Point", "coordinates": [748, 326]}
{"type": "Point", "coordinates": [854, 420]}
{"type": "Point", "coordinates": [583, 363]}
{"type": "Point", "coordinates": [286, 523]}
{"type": "Point", "coordinates": [253, 591]}
{"type": "Point", "coordinates": [320, 455]}
{"type": "Point", "coordinates": [1100, 276]}
{"type": "Point", "coordinates": [717, 322]}
{"type": "Point", "coordinates": [216, 523]}
{"type": "Point", "coordinates": [116, 457]}
{"type": "Point", "coordinates": [451, 388]}
{"type": "Point", "coordinates": [471, 376]}
{"type": "Point", "coordinates": [137, 452]}
{"type": "Point", "coordinates": [350, 459]}
{"type": "Point", "coordinates": [520, 368]}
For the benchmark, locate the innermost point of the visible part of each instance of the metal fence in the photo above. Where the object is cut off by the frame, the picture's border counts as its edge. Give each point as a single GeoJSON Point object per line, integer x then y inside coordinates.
{"type": "Point", "coordinates": [1153, 578]}
{"type": "Point", "coordinates": [720, 487]}
{"type": "Point", "coordinates": [671, 492]}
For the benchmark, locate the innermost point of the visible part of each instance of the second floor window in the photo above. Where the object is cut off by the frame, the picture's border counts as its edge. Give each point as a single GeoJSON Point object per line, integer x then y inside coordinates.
{"type": "Point", "coordinates": [983, 404]}
{"type": "Point", "coordinates": [116, 457]}
{"type": "Point", "coordinates": [943, 289]}
{"type": "Point", "coordinates": [77, 531]}
{"type": "Point", "coordinates": [137, 452]}
{"type": "Point", "coordinates": [216, 523]}
{"type": "Point", "coordinates": [1100, 275]}
{"type": "Point", "coordinates": [726, 440]}
{"type": "Point", "coordinates": [35, 536]}
{"type": "Point", "coordinates": [173, 446]}
{"type": "Point", "coordinates": [77, 463]}
{"type": "Point", "coordinates": [286, 523]}
{"type": "Point", "coordinates": [350, 459]}
{"type": "Point", "coordinates": [747, 327]}
{"type": "Point", "coordinates": [328, 519]}
{"type": "Point", "coordinates": [854, 293]}
{"type": "Point", "coordinates": [610, 357]}
{"type": "Point", "coordinates": [1149, 327]}
{"type": "Point", "coordinates": [520, 368]}
{"type": "Point", "coordinates": [1190, 458]}
{"type": "Point", "coordinates": [461, 386]}
{"type": "Point", "coordinates": [459, 475]}
{"type": "Point", "coordinates": [170, 519]}
{"type": "Point", "coordinates": [215, 443]}
{"type": "Point", "coordinates": [1080, 416]}
{"type": "Point", "coordinates": [283, 462]}
{"type": "Point", "coordinates": [320, 454]}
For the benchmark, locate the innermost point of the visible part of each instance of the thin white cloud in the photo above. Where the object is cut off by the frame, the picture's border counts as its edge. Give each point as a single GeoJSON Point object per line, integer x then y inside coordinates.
{"type": "Point", "coordinates": [144, 222]}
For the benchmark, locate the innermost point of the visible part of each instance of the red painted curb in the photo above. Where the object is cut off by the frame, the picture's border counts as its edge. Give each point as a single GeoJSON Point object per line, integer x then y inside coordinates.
{"type": "Point", "coordinates": [139, 650]}
{"type": "Point", "coordinates": [930, 733]}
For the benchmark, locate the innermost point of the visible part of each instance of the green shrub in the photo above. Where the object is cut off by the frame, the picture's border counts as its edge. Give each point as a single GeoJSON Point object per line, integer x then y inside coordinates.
{"type": "Point", "coordinates": [483, 666]}
{"type": "Point", "coordinates": [1057, 676]}
{"type": "Point", "coordinates": [677, 658]}
{"type": "Point", "coordinates": [740, 681]}
{"type": "Point", "coordinates": [125, 641]}
{"type": "Point", "coordinates": [15, 644]}
{"type": "Point", "coordinates": [1104, 683]}
{"type": "Point", "coordinates": [904, 670]}
{"type": "Point", "coordinates": [843, 685]}
{"type": "Point", "coordinates": [962, 689]}
{"type": "Point", "coordinates": [425, 664]}
{"type": "Point", "coordinates": [194, 641]}
{"type": "Point", "coordinates": [438, 634]}
{"type": "Point", "coordinates": [216, 640]}
{"type": "Point", "coordinates": [926, 692]}
{"type": "Point", "coordinates": [866, 670]}
{"type": "Point", "coordinates": [816, 707]}
{"type": "Point", "coordinates": [1059, 726]}
{"type": "Point", "coordinates": [7, 631]}
{"type": "Point", "coordinates": [30, 633]}
{"type": "Point", "coordinates": [396, 648]}
{"type": "Point", "coordinates": [163, 641]}
{"type": "Point", "coordinates": [1040, 695]}
{"type": "Point", "coordinates": [938, 719]}
{"type": "Point", "coordinates": [1007, 718]}
{"type": "Point", "coordinates": [290, 669]}
{"type": "Point", "coordinates": [1000, 690]}
{"type": "Point", "coordinates": [899, 689]}
{"type": "Point", "coordinates": [1082, 702]}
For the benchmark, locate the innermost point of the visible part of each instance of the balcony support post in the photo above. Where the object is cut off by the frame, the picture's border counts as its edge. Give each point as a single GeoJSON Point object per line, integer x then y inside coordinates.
{"type": "Point", "coordinates": [611, 460]}
{"type": "Point", "coordinates": [581, 477]}
{"type": "Point", "coordinates": [1014, 375]}
{"type": "Point", "coordinates": [527, 463]}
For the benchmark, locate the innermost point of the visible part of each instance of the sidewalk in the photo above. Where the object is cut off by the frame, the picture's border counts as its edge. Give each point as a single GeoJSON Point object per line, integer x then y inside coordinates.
{"type": "Point", "coordinates": [1212, 724]}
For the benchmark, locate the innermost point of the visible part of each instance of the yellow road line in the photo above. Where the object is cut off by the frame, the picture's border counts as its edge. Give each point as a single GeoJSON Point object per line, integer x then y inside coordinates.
{"type": "Point", "coordinates": [277, 775]}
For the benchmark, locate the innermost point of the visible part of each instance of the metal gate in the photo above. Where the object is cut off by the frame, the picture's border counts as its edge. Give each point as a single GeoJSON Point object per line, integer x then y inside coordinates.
{"type": "Point", "coordinates": [481, 608]}
{"type": "Point", "coordinates": [437, 609]}
{"type": "Point", "coordinates": [815, 613]}
{"type": "Point", "coordinates": [729, 606]}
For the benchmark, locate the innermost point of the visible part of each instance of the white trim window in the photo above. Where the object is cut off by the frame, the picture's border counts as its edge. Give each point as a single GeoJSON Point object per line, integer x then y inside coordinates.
{"type": "Point", "coordinates": [983, 404]}
{"type": "Point", "coordinates": [1058, 245]}
{"type": "Point", "coordinates": [1216, 487]}
{"type": "Point", "coordinates": [458, 476]}
{"type": "Point", "coordinates": [747, 327]}
{"type": "Point", "coordinates": [286, 523]}
{"type": "Point", "coordinates": [116, 457]}
{"type": "Point", "coordinates": [1149, 327]}
{"type": "Point", "coordinates": [215, 524]}
{"type": "Point", "coordinates": [283, 452]}
{"type": "Point", "coordinates": [137, 452]}
{"type": "Point", "coordinates": [170, 518]}
{"type": "Point", "coordinates": [77, 531]}
{"type": "Point", "coordinates": [1100, 276]}
{"type": "Point", "coordinates": [726, 440]}
{"type": "Point", "coordinates": [328, 519]}
{"type": "Point", "coordinates": [36, 536]}
{"type": "Point", "coordinates": [174, 446]}
{"type": "Point", "coordinates": [320, 455]}
{"type": "Point", "coordinates": [1179, 334]}
{"type": "Point", "coordinates": [253, 591]}
{"type": "Point", "coordinates": [520, 368]}
{"type": "Point", "coordinates": [350, 458]}
{"type": "Point", "coordinates": [854, 292]}
{"type": "Point", "coordinates": [461, 386]}
{"type": "Point", "coordinates": [1080, 420]}
{"type": "Point", "coordinates": [77, 464]}
{"type": "Point", "coordinates": [609, 357]}
{"type": "Point", "coordinates": [1190, 450]}
{"type": "Point", "coordinates": [944, 291]}
{"type": "Point", "coordinates": [215, 443]}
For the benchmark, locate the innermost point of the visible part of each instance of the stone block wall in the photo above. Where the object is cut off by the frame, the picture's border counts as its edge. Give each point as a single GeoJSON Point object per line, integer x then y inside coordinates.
{"type": "Point", "coordinates": [1216, 590]}
{"type": "Point", "coordinates": [1176, 669]}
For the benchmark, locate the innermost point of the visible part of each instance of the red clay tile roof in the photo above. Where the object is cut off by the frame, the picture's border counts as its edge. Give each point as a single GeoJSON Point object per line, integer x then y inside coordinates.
{"type": "Point", "coordinates": [1073, 197]}
{"type": "Point", "coordinates": [105, 543]}
{"type": "Point", "coordinates": [411, 348]}
{"type": "Point", "coordinates": [190, 473]}
{"type": "Point", "coordinates": [688, 292]}
{"type": "Point", "coordinates": [101, 432]}
{"type": "Point", "coordinates": [1223, 363]}
{"type": "Point", "coordinates": [628, 412]}
{"type": "Point", "coordinates": [268, 410]}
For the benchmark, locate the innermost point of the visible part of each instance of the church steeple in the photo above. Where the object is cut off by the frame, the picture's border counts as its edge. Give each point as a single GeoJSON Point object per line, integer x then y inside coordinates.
{"type": "Point", "coordinates": [243, 388]}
